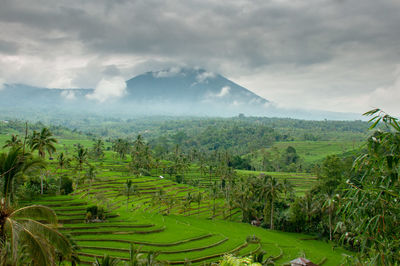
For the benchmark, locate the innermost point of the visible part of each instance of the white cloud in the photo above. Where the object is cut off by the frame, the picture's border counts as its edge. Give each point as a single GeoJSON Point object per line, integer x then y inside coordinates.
{"type": "Point", "coordinates": [68, 94]}
{"type": "Point", "coordinates": [387, 97]}
{"type": "Point", "coordinates": [224, 91]}
{"type": "Point", "coordinates": [2, 81]}
{"type": "Point", "coordinates": [107, 88]}
{"type": "Point", "coordinates": [172, 72]}
{"type": "Point", "coordinates": [204, 76]}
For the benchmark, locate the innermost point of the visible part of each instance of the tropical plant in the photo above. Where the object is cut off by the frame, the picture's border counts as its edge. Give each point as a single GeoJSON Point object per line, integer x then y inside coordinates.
{"type": "Point", "coordinates": [121, 147]}
{"type": "Point", "coordinates": [371, 207]}
{"type": "Point", "coordinates": [43, 141]}
{"type": "Point", "coordinates": [91, 173]}
{"type": "Point", "coordinates": [13, 141]}
{"type": "Point", "coordinates": [272, 191]}
{"type": "Point", "coordinates": [198, 198]}
{"type": "Point", "coordinates": [135, 257]}
{"type": "Point", "coordinates": [81, 156]}
{"type": "Point", "coordinates": [20, 228]}
{"type": "Point", "coordinates": [106, 261]}
{"type": "Point", "coordinates": [98, 149]}
{"type": "Point", "coordinates": [14, 164]}
{"type": "Point", "coordinates": [130, 190]}
{"type": "Point", "coordinates": [330, 204]}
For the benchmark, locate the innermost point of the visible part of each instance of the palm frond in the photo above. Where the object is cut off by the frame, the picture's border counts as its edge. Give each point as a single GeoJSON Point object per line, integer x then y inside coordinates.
{"type": "Point", "coordinates": [39, 251]}
{"type": "Point", "coordinates": [55, 238]}
{"type": "Point", "coordinates": [36, 212]}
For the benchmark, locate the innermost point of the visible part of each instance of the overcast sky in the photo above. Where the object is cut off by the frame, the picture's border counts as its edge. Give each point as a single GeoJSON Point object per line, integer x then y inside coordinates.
{"type": "Point", "coordinates": [339, 55]}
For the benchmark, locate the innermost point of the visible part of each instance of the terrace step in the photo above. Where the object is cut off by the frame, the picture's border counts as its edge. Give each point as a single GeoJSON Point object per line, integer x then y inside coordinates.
{"type": "Point", "coordinates": [107, 226]}
{"type": "Point", "coordinates": [161, 252]}
{"type": "Point", "coordinates": [148, 243]}
{"type": "Point", "coordinates": [116, 232]}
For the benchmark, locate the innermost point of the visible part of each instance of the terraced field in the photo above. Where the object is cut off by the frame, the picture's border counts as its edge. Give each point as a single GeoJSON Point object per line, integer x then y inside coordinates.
{"type": "Point", "coordinates": [185, 235]}
{"type": "Point", "coordinates": [301, 181]}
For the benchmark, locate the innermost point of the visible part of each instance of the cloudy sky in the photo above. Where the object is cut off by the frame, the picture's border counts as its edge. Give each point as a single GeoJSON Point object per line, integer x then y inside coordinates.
{"type": "Point", "coordinates": [340, 55]}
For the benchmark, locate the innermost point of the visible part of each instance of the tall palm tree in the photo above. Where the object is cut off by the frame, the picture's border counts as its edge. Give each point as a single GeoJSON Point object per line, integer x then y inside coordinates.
{"type": "Point", "coordinates": [20, 228]}
{"type": "Point", "coordinates": [273, 188]}
{"type": "Point", "coordinates": [91, 173]}
{"type": "Point", "coordinates": [13, 164]}
{"type": "Point", "coordinates": [130, 189]}
{"type": "Point", "coordinates": [98, 149]}
{"type": "Point", "coordinates": [287, 187]}
{"type": "Point", "coordinates": [81, 157]}
{"type": "Point", "coordinates": [43, 141]}
{"type": "Point", "coordinates": [330, 202]}
{"type": "Point", "coordinates": [198, 198]}
{"type": "Point", "coordinates": [13, 141]}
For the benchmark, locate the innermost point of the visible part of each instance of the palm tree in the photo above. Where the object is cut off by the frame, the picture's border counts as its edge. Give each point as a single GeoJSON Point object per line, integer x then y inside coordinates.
{"type": "Point", "coordinates": [91, 173]}
{"type": "Point", "coordinates": [20, 228]}
{"type": "Point", "coordinates": [330, 206]}
{"type": "Point", "coordinates": [62, 162]}
{"type": "Point", "coordinates": [81, 157]}
{"type": "Point", "coordinates": [98, 149]}
{"type": "Point", "coordinates": [198, 198]}
{"type": "Point", "coordinates": [13, 141]}
{"type": "Point", "coordinates": [121, 147]}
{"type": "Point", "coordinates": [106, 261]}
{"type": "Point", "coordinates": [43, 141]}
{"type": "Point", "coordinates": [214, 194]}
{"type": "Point", "coordinates": [287, 187]}
{"type": "Point", "coordinates": [272, 191]}
{"type": "Point", "coordinates": [130, 189]}
{"type": "Point", "coordinates": [170, 202]}
{"type": "Point", "coordinates": [15, 164]}
{"type": "Point", "coordinates": [135, 257]}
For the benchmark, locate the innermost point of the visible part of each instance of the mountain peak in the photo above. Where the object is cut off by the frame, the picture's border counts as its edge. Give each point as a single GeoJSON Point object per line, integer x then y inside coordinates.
{"type": "Point", "coordinates": [188, 85]}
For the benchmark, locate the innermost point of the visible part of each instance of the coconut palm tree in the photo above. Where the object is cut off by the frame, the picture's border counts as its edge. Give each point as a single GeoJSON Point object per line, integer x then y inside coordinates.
{"type": "Point", "coordinates": [273, 188]}
{"type": "Point", "coordinates": [13, 141]}
{"type": "Point", "coordinates": [13, 164]}
{"type": "Point", "coordinates": [20, 229]}
{"type": "Point", "coordinates": [198, 198]}
{"type": "Point", "coordinates": [81, 157]}
{"type": "Point", "coordinates": [330, 202]}
{"type": "Point", "coordinates": [98, 149]}
{"type": "Point", "coordinates": [43, 141]}
{"type": "Point", "coordinates": [91, 173]}
{"type": "Point", "coordinates": [130, 190]}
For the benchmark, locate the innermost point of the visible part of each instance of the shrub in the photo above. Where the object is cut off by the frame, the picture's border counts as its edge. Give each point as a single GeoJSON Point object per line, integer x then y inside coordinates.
{"type": "Point", "coordinates": [178, 179]}
{"type": "Point", "coordinates": [66, 185]}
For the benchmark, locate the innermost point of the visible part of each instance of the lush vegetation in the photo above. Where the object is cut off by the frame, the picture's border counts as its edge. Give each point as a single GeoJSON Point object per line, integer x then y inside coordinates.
{"type": "Point", "coordinates": [186, 191]}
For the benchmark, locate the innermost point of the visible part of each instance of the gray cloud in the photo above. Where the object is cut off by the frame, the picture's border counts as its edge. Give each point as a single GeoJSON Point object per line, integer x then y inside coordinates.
{"type": "Point", "coordinates": [292, 52]}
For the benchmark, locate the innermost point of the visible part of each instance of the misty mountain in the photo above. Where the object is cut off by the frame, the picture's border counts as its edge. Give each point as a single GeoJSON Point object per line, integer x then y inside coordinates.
{"type": "Point", "coordinates": [189, 86]}
{"type": "Point", "coordinates": [173, 91]}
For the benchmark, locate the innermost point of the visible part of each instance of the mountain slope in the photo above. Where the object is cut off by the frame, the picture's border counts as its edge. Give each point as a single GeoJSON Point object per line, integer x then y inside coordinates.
{"type": "Point", "coordinates": [189, 85]}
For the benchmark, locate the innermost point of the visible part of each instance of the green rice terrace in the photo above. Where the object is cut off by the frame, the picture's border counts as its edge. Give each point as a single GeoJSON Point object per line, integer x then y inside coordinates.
{"type": "Point", "coordinates": [157, 218]}
{"type": "Point", "coordinates": [182, 207]}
